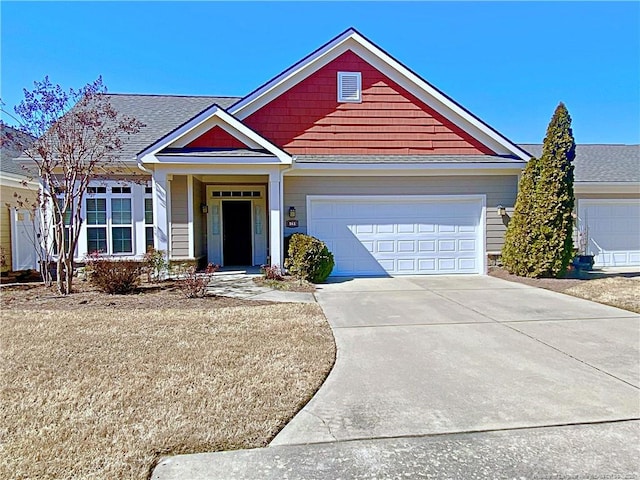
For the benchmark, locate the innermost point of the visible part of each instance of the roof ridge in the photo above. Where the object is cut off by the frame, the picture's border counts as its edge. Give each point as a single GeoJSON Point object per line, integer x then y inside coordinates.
{"type": "Point", "coordinates": [176, 95]}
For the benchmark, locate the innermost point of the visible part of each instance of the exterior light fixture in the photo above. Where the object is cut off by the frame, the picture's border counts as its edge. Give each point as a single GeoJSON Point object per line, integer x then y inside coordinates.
{"type": "Point", "coordinates": [204, 208]}
{"type": "Point", "coordinates": [502, 211]}
{"type": "Point", "coordinates": [292, 212]}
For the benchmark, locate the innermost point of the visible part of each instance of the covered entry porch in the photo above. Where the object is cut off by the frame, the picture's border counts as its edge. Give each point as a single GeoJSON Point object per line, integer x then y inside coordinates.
{"type": "Point", "coordinates": [217, 192]}
{"type": "Point", "coordinates": [226, 217]}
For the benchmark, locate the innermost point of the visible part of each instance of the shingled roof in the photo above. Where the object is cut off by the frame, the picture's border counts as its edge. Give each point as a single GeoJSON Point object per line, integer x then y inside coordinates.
{"type": "Point", "coordinates": [12, 142]}
{"type": "Point", "coordinates": [601, 163]}
{"type": "Point", "coordinates": [161, 115]}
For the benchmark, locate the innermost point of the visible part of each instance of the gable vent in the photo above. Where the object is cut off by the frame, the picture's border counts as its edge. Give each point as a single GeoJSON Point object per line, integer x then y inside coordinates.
{"type": "Point", "coordinates": [350, 87]}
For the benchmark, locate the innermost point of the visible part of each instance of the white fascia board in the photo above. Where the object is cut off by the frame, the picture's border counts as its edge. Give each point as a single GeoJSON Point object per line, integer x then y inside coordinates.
{"type": "Point", "coordinates": [208, 169]}
{"type": "Point", "coordinates": [403, 169]}
{"type": "Point", "coordinates": [436, 100]}
{"type": "Point", "coordinates": [216, 120]}
{"type": "Point", "coordinates": [212, 160]}
{"type": "Point", "coordinates": [179, 132]}
{"type": "Point", "coordinates": [351, 40]}
{"type": "Point", "coordinates": [606, 187]}
{"type": "Point", "coordinates": [288, 78]}
{"type": "Point", "coordinates": [254, 136]}
{"type": "Point", "coordinates": [17, 181]}
{"type": "Point", "coordinates": [149, 154]}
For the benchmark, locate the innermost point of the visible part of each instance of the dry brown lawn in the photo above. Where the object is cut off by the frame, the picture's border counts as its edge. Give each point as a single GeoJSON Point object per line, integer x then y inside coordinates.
{"type": "Point", "coordinates": [622, 291]}
{"type": "Point", "coordinates": [103, 391]}
{"type": "Point", "coordinates": [618, 292]}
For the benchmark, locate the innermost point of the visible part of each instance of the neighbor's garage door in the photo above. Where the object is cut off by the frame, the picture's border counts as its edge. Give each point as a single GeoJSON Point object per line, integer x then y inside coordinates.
{"type": "Point", "coordinates": [613, 229]}
{"type": "Point", "coordinates": [377, 235]}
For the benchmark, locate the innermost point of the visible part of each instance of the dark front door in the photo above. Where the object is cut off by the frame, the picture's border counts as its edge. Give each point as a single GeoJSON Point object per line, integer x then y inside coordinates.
{"type": "Point", "coordinates": [236, 231]}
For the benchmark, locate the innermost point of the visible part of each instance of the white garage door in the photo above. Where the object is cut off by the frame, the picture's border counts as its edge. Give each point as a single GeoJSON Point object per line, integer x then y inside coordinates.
{"type": "Point", "coordinates": [613, 230]}
{"type": "Point", "coordinates": [400, 235]}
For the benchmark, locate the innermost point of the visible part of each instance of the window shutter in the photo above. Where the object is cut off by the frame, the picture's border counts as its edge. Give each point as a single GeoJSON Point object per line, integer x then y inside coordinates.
{"type": "Point", "coordinates": [349, 87]}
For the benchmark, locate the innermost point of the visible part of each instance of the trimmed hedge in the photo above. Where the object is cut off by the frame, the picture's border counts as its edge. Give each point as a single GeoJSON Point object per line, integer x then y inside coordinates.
{"type": "Point", "coordinates": [309, 258]}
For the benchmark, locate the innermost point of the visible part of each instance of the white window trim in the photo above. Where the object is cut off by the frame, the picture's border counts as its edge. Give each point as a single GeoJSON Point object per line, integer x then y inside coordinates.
{"type": "Point", "coordinates": [113, 196]}
{"type": "Point", "coordinates": [96, 196]}
{"type": "Point", "coordinates": [109, 225]}
{"type": "Point", "coordinates": [147, 196]}
{"type": "Point", "coordinates": [358, 77]}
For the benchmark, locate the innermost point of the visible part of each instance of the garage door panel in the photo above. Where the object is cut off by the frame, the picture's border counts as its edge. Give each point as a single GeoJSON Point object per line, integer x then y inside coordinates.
{"type": "Point", "coordinates": [406, 246]}
{"type": "Point", "coordinates": [426, 228]}
{"type": "Point", "coordinates": [613, 230]}
{"type": "Point", "coordinates": [467, 264]}
{"type": "Point", "coordinates": [467, 246]}
{"type": "Point", "coordinates": [406, 265]}
{"type": "Point", "coordinates": [406, 228]}
{"type": "Point", "coordinates": [427, 246]}
{"type": "Point", "coordinates": [374, 236]}
{"type": "Point", "coordinates": [385, 246]}
{"type": "Point", "coordinates": [446, 245]}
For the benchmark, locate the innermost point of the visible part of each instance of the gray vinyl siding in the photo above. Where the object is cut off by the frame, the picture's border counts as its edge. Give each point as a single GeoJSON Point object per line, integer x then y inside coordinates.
{"type": "Point", "coordinates": [499, 190]}
{"type": "Point", "coordinates": [179, 217]}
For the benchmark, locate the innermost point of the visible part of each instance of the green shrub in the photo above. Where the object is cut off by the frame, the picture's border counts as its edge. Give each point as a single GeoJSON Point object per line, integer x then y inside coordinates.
{"type": "Point", "coordinates": [309, 258]}
{"type": "Point", "coordinates": [538, 241]}
{"type": "Point", "coordinates": [114, 276]}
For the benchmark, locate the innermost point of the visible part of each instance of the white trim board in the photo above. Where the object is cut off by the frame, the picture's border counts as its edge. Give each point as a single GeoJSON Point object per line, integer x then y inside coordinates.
{"type": "Point", "coordinates": [198, 125]}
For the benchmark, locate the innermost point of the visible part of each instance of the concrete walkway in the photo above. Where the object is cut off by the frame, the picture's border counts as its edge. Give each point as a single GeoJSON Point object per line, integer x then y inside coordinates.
{"type": "Point", "coordinates": [240, 284]}
{"type": "Point", "coordinates": [607, 451]}
{"type": "Point", "coordinates": [424, 361]}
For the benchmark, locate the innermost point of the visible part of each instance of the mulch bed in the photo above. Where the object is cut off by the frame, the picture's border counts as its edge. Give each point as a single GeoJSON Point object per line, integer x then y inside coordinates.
{"type": "Point", "coordinates": [556, 284]}
{"type": "Point", "coordinates": [289, 284]}
{"type": "Point", "coordinates": [149, 296]}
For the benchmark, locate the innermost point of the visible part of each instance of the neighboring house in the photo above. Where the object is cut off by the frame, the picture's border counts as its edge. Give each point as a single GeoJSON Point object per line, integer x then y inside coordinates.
{"type": "Point", "coordinates": [15, 223]}
{"type": "Point", "coordinates": [607, 191]}
{"type": "Point", "coordinates": [347, 145]}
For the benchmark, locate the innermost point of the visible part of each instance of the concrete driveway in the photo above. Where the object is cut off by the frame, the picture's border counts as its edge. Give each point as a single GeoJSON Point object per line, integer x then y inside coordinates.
{"type": "Point", "coordinates": [432, 355]}
{"type": "Point", "coordinates": [455, 377]}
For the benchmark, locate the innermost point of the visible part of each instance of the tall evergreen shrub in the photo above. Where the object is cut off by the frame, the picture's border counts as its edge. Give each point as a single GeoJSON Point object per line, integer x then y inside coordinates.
{"type": "Point", "coordinates": [538, 241]}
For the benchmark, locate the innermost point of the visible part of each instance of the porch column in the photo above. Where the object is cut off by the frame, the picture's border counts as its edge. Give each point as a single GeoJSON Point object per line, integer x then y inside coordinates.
{"type": "Point", "coordinates": [160, 187]}
{"type": "Point", "coordinates": [275, 217]}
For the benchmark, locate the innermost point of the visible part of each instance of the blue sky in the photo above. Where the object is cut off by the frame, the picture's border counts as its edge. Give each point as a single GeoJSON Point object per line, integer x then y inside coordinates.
{"type": "Point", "coordinates": [510, 63]}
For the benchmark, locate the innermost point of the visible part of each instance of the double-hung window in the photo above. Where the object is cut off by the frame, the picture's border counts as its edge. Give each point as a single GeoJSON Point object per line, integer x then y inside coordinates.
{"type": "Point", "coordinates": [96, 213]}
{"type": "Point", "coordinates": [121, 220]}
{"type": "Point", "coordinates": [148, 218]}
{"type": "Point", "coordinates": [109, 220]}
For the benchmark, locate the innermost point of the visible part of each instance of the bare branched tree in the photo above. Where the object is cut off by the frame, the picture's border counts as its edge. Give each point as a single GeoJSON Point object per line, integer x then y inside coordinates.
{"type": "Point", "coordinates": [78, 136]}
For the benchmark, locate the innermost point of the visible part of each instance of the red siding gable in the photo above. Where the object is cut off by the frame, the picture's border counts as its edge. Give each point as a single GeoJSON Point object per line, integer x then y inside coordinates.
{"type": "Point", "coordinates": [307, 119]}
{"type": "Point", "coordinates": [217, 138]}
